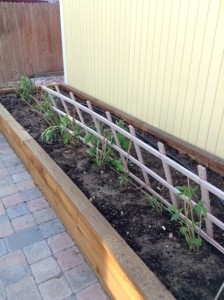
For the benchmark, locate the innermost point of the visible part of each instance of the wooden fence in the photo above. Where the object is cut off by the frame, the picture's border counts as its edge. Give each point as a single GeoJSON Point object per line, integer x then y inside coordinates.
{"type": "Point", "coordinates": [149, 176]}
{"type": "Point", "coordinates": [30, 40]}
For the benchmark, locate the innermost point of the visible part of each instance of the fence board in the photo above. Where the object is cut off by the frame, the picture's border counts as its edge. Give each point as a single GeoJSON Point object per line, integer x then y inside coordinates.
{"type": "Point", "coordinates": [30, 40]}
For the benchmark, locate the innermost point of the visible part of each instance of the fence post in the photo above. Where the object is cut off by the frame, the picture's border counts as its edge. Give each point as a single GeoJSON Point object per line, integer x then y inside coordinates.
{"type": "Point", "coordinates": [139, 155]}
{"type": "Point", "coordinates": [167, 173]}
{"type": "Point", "coordinates": [205, 197]}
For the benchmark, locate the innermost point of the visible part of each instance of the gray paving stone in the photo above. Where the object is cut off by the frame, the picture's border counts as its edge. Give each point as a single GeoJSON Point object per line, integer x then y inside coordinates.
{"type": "Point", "coordinates": [56, 288]}
{"type": "Point", "coordinates": [37, 204]}
{"type": "Point", "coordinates": [23, 222]}
{"type": "Point", "coordinates": [2, 209]}
{"type": "Point", "coordinates": [23, 238]}
{"type": "Point", "coordinates": [17, 211]}
{"type": "Point", "coordinates": [37, 252]}
{"type": "Point", "coordinates": [7, 180]}
{"type": "Point", "coordinates": [45, 269]}
{"type": "Point", "coordinates": [2, 166]}
{"type": "Point", "coordinates": [2, 139]}
{"type": "Point", "coordinates": [72, 297]}
{"type": "Point", "coordinates": [18, 177]}
{"type": "Point", "coordinates": [13, 268]}
{"type": "Point", "coordinates": [44, 215]}
{"type": "Point", "coordinates": [5, 150]}
{"type": "Point", "coordinates": [8, 190]}
{"type": "Point", "coordinates": [3, 172]}
{"type": "Point", "coordinates": [80, 277]}
{"type": "Point", "coordinates": [51, 228]}
{"type": "Point", "coordinates": [25, 185]}
{"type": "Point", "coordinates": [5, 228]}
{"type": "Point", "coordinates": [8, 157]}
{"type": "Point", "coordinates": [13, 162]}
{"type": "Point", "coordinates": [60, 242]}
{"type": "Point", "coordinates": [16, 169]}
{"type": "Point", "coordinates": [31, 194]}
{"type": "Point", "coordinates": [25, 289]}
{"type": "Point", "coordinates": [93, 292]}
{"type": "Point", "coordinates": [3, 249]}
{"type": "Point", "coordinates": [2, 291]}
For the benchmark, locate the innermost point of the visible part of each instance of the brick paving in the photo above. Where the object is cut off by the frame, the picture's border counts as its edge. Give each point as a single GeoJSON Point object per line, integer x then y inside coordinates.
{"type": "Point", "coordinates": [38, 259]}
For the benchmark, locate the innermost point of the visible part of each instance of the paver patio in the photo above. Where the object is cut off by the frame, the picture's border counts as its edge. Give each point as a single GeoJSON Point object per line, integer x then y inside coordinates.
{"type": "Point", "coordinates": [38, 259]}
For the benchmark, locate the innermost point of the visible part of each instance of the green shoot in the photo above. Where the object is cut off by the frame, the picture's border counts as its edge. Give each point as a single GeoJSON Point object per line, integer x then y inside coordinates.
{"type": "Point", "coordinates": [52, 133]}
{"type": "Point", "coordinates": [24, 89]}
{"type": "Point", "coordinates": [154, 203]}
{"type": "Point", "coordinates": [99, 149]}
{"type": "Point", "coordinates": [189, 224]}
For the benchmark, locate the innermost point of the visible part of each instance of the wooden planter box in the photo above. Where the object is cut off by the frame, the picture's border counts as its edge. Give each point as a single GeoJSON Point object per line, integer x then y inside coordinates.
{"type": "Point", "coordinates": [119, 269]}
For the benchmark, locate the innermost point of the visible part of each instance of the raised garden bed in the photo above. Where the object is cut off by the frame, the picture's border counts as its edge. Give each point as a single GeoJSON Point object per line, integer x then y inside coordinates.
{"type": "Point", "coordinates": [186, 274]}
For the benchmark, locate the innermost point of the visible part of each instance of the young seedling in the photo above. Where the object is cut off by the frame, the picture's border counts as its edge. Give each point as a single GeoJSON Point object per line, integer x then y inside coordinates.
{"type": "Point", "coordinates": [122, 167]}
{"type": "Point", "coordinates": [99, 149]}
{"type": "Point", "coordinates": [188, 223]}
{"type": "Point", "coordinates": [154, 203]}
{"type": "Point", "coordinates": [124, 176]}
{"type": "Point", "coordinates": [124, 142]}
{"type": "Point", "coordinates": [44, 106]}
{"type": "Point", "coordinates": [24, 89]}
{"type": "Point", "coordinates": [68, 131]}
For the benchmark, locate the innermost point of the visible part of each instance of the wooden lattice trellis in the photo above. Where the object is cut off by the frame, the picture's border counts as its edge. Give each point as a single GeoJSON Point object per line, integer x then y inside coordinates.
{"type": "Point", "coordinates": [200, 179]}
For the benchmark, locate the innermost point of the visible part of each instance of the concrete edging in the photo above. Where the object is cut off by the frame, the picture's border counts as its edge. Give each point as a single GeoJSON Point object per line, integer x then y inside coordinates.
{"type": "Point", "coordinates": [119, 269]}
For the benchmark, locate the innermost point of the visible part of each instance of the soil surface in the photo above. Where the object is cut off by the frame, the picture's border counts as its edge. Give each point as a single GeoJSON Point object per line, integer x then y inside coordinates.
{"type": "Point", "coordinates": [151, 234]}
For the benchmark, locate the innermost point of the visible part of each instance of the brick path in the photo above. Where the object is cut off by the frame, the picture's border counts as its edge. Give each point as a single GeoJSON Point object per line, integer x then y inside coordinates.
{"type": "Point", "coordinates": [38, 259]}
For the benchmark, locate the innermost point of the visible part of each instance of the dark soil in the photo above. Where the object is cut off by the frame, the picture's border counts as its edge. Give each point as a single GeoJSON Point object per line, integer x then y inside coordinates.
{"type": "Point", "coordinates": [150, 234]}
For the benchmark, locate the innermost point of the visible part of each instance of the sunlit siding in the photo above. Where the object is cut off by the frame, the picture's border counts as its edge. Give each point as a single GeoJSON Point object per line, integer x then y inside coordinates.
{"type": "Point", "coordinates": [158, 60]}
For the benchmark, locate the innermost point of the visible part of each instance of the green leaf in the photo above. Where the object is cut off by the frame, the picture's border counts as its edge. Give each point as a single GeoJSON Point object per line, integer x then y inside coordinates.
{"type": "Point", "coordinates": [91, 151]}
{"type": "Point", "coordinates": [172, 208]}
{"type": "Point", "coordinates": [204, 212]}
{"type": "Point", "coordinates": [197, 242]}
{"type": "Point", "coordinates": [175, 217]}
{"type": "Point", "coordinates": [198, 209]}
{"type": "Point", "coordinates": [87, 138]}
{"type": "Point", "coordinates": [183, 230]}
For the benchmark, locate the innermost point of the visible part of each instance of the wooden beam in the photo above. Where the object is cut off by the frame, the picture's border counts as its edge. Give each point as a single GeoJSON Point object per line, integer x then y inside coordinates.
{"type": "Point", "coordinates": [119, 269]}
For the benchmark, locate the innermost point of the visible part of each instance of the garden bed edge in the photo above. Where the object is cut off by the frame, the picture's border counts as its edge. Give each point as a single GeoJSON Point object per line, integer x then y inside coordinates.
{"type": "Point", "coordinates": [119, 269]}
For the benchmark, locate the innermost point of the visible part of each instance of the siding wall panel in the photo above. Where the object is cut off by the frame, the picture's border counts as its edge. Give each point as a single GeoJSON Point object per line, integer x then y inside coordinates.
{"type": "Point", "coordinates": [158, 60]}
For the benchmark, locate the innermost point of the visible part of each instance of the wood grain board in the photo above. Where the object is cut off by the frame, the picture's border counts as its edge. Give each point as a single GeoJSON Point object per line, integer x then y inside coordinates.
{"type": "Point", "coordinates": [119, 269]}
{"type": "Point", "coordinates": [30, 40]}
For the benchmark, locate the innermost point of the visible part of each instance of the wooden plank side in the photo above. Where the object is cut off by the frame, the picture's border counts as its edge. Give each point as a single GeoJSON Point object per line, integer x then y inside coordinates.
{"type": "Point", "coordinates": [122, 272]}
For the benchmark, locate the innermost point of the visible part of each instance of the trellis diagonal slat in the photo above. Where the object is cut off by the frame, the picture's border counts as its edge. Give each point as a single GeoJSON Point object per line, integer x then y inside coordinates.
{"type": "Point", "coordinates": [94, 118]}
{"type": "Point", "coordinates": [78, 111]}
{"type": "Point", "coordinates": [167, 173]}
{"type": "Point", "coordinates": [116, 139]}
{"type": "Point", "coordinates": [139, 155]}
{"type": "Point", "coordinates": [63, 102]}
{"type": "Point", "coordinates": [205, 197]}
{"type": "Point", "coordinates": [199, 180]}
{"type": "Point", "coordinates": [51, 98]}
